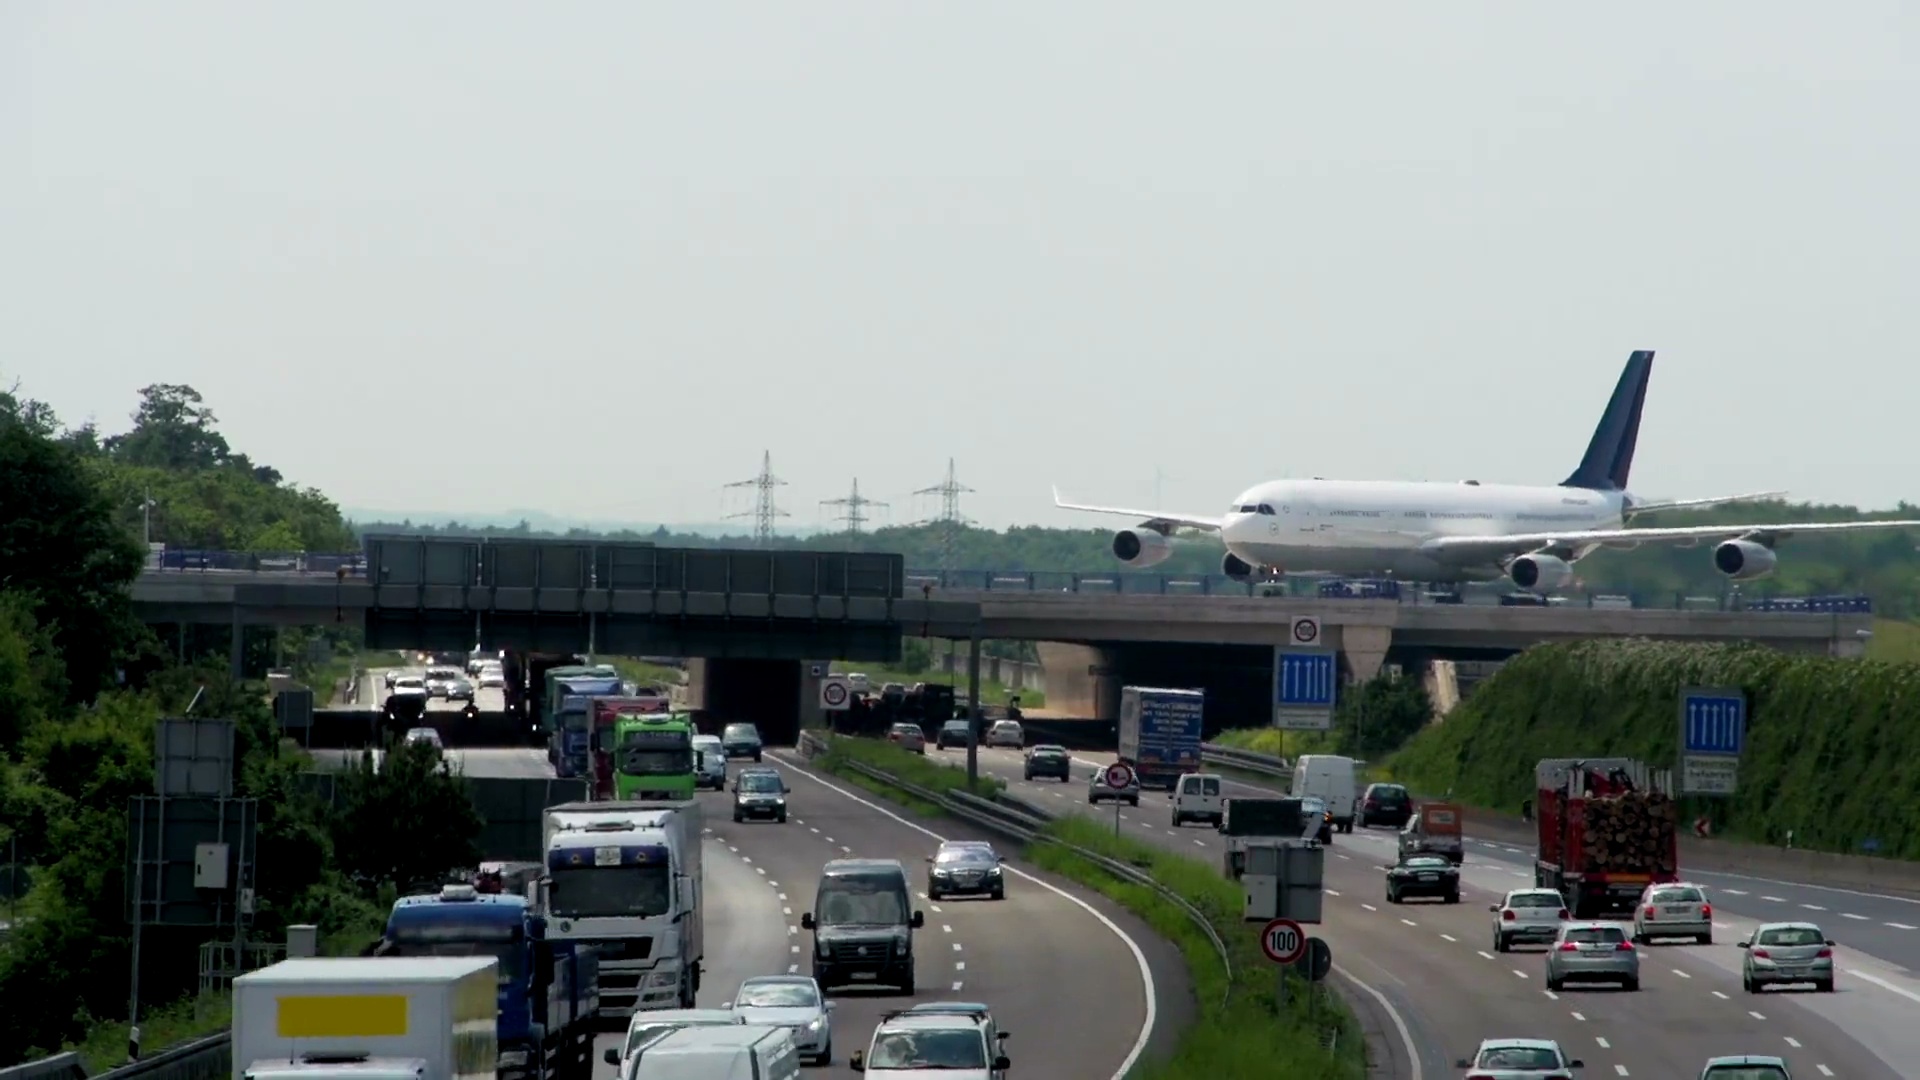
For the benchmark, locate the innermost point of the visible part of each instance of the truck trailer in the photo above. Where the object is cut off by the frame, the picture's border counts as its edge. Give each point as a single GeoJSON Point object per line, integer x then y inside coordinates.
{"type": "Point", "coordinates": [1160, 733]}
{"type": "Point", "coordinates": [367, 1018]}
{"type": "Point", "coordinates": [1604, 833]}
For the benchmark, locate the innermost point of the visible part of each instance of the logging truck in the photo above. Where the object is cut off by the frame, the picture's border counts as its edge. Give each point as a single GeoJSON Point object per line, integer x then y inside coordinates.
{"type": "Point", "coordinates": [1605, 833]}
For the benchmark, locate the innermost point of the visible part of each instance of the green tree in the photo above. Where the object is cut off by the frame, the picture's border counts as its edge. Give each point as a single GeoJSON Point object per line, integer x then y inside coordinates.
{"type": "Point", "coordinates": [408, 821]}
{"type": "Point", "coordinates": [172, 429]}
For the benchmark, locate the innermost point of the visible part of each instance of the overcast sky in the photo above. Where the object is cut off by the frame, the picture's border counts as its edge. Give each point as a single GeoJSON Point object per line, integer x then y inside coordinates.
{"type": "Point", "coordinates": [594, 258]}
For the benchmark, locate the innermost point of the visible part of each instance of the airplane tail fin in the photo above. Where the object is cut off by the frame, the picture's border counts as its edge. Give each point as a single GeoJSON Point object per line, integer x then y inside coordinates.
{"type": "Point", "coordinates": [1610, 454]}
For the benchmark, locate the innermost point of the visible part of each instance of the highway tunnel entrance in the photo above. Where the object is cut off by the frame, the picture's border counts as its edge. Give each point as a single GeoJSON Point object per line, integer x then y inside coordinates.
{"type": "Point", "coordinates": [765, 693]}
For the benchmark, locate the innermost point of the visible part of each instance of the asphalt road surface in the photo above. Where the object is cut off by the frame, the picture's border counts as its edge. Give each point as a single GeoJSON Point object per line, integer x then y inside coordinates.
{"type": "Point", "coordinates": [373, 692]}
{"type": "Point", "coordinates": [1436, 964]}
{"type": "Point", "coordinates": [1066, 971]}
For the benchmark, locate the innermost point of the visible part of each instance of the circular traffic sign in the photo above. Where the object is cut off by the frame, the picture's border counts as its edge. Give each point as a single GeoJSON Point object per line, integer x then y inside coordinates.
{"type": "Point", "coordinates": [834, 694]}
{"type": "Point", "coordinates": [1283, 941]}
{"type": "Point", "coordinates": [1306, 630]}
{"type": "Point", "coordinates": [1119, 775]}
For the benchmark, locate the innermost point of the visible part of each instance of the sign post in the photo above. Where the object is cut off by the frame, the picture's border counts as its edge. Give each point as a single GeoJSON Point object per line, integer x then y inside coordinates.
{"type": "Point", "coordinates": [1713, 734]}
{"type": "Point", "coordinates": [1304, 685]}
{"type": "Point", "coordinates": [1119, 776]}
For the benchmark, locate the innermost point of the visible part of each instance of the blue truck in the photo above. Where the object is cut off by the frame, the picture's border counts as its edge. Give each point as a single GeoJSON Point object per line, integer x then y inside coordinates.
{"type": "Point", "coordinates": [572, 728]}
{"type": "Point", "coordinates": [549, 991]}
{"type": "Point", "coordinates": [1160, 733]}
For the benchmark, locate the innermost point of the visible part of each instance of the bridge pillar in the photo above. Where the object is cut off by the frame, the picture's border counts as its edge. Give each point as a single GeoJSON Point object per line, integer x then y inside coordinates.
{"type": "Point", "coordinates": [237, 646]}
{"type": "Point", "coordinates": [1365, 649]}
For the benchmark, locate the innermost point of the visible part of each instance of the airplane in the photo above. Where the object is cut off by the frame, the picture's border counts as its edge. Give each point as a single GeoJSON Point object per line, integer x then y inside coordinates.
{"type": "Point", "coordinates": [1439, 533]}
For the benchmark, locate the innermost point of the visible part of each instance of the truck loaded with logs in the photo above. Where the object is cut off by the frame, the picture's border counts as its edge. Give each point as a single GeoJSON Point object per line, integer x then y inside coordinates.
{"type": "Point", "coordinates": [1605, 833]}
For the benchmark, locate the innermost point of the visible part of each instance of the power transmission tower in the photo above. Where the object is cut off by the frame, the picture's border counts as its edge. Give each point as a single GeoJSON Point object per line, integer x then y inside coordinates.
{"type": "Point", "coordinates": [764, 511]}
{"type": "Point", "coordinates": [950, 519]}
{"type": "Point", "coordinates": [855, 514]}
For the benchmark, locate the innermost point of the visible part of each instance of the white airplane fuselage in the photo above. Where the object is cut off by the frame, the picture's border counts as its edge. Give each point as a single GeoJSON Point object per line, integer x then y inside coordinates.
{"type": "Point", "coordinates": [1360, 528]}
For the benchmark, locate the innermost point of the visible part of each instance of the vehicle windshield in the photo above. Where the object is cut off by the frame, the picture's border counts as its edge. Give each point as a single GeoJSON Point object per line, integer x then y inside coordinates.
{"type": "Point", "coordinates": [1595, 935]}
{"type": "Point", "coordinates": [610, 892]}
{"type": "Point", "coordinates": [965, 857]}
{"type": "Point", "coordinates": [638, 1034]}
{"type": "Point", "coordinates": [1049, 751]}
{"type": "Point", "coordinates": [959, 1049]}
{"type": "Point", "coordinates": [1745, 1072]}
{"type": "Point", "coordinates": [1427, 862]}
{"type": "Point", "coordinates": [760, 783]}
{"type": "Point", "coordinates": [1792, 935]}
{"type": "Point", "coordinates": [645, 761]}
{"type": "Point", "coordinates": [739, 731]}
{"type": "Point", "coordinates": [856, 901]}
{"type": "Point", "coordinates": [1006, 725]}
{"type": "Point", "coordinates": [408, 682]}
{"type": "Point", "coordinates": [1390, 794]}
{"type": "Point", "coordinates": [957, 725]}
{"type": "Point", "coordinates": [443, 941]}
{"type": "Point", "coordinates": [905, 729]}
{"type": "Point", "coordinates": [1675, 896]}
{"type": "Point", "coordinates": [1535, 899]}
{"type": "Point", "coordinates": [1519, 1057]}
{"type": "Point", "coordinates": [776, 995]}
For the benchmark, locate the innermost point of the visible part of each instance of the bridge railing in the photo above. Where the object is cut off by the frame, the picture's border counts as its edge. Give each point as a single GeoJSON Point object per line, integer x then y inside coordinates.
{"type": "Point", "coordinates": [1129, 583]}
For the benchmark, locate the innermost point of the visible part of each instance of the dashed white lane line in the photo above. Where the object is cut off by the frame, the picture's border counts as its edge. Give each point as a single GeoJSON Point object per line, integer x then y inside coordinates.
{"type": "Point", "coordinates": [1774, 899]}
{"type": "Point", "coordinates": [1721, 996]}
{"type": "Point", "coordinates": [1622, 1070]}
{"type": "Point", "coordinates": [1330, 892]}
{"type": "Point", "coordinates": [1450, 937]}
{"type": "Point", "coordinates": [761, 870]}
{"type": "Point", "coordinates": [959, 965]}
{"type": "Point", "coordinates": [1682, 974]}
{"type": "Point", "coordinates": [1813, 907]}
{"type": "Point", "coordinates": [1520, 973]}
{"type": "Point", "coordinates": [793, 969]}
{"type": "Point", "coordinates": [1791, 1041]}
{"type": "Point", "coordinates": [1824, 1071]}
{"type": "Point", "coordinates": [1899, 926]}
{"type": "Point", "coordinates": [1582, 1017]}
{"type": "Point", "coordinates": [1851, 915]}
{"type": "Point", "coordinates": [945, 928]}
{"type": "Point", "coordinates": [1369, 907]}
{"type": "Point", "coordinates": [1755, 1015]}
{"type": "Point", "coordinates": [1485, 955]}
{"type": "Point", "coordinates": [956, 946]}
{"type": "Point", "coordinates": [1604, 1044]}
{"type": "Point", "coordinates": [1409, 922]}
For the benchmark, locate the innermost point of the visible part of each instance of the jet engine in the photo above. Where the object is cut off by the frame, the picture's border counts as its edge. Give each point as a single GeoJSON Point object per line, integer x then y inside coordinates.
{"type": "Point", "coordinates": [1744, 560]}
{"type": "Point", "coordinates": [1141, 547]}
{"type": "Point", "coordinates": [1540, 573]}
{"type": "Point", "coordinates": [1232, 566]}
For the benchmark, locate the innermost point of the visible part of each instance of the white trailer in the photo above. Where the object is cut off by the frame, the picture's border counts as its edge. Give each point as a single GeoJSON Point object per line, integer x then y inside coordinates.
{"type": "Point", "coordinates": [368, 1018]}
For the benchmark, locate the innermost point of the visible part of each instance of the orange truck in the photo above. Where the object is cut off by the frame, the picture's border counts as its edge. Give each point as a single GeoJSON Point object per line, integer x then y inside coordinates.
{"type": "Point", "coordinates": [1435, 829]}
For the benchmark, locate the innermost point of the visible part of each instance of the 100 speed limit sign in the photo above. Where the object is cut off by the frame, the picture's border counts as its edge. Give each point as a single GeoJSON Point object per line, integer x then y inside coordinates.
{"type": "Point", "coordinates": [1283, 941]}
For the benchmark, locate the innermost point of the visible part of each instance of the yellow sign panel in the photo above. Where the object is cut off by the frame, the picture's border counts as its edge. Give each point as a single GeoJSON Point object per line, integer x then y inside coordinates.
{"type": "Point", "coordinates": [342, 1015]}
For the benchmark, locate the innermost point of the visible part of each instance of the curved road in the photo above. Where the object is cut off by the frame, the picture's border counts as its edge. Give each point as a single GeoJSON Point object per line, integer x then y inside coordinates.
{"type": "Point", "coordinates": [762, 876]}
{"type": "Point", "coordinates": [1436, 964]}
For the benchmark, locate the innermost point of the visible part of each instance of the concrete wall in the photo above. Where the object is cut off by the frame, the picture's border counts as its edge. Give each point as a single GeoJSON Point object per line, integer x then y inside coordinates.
{"type": "Point", "coordinates": [1012, 674]}
{"type": "Point", "coordinates": [1072, 689]}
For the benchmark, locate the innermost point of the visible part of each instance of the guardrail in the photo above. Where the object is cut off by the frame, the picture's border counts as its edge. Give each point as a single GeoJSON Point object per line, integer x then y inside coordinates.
{"type": "Point", "coordinates": [1026, 824]}
{"type": "Point", "coordinates": [1129, 583]}
{"type": "Point", "coordinates": [1247, 760]}
{"type": "Point", "coordinates": [209, 1057]}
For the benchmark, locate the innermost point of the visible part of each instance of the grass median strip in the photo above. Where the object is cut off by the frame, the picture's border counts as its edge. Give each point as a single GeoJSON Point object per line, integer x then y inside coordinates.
{"type": "Point", "coordinates": [1253, 1035]}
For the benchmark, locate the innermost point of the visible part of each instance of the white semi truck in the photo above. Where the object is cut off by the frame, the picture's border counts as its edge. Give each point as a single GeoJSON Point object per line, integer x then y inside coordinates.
{"type": "Point", "coordinates": [367, 1018]}
{"type": "Point", "coordinates": [626, 878]}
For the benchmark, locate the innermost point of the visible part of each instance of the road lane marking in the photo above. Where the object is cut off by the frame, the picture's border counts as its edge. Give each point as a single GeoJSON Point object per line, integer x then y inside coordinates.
{"type": "Point", "coordinates": [1899, 926]}
{"type": "Point", "coordinates": [1582, 1017]}
{"type": "Point", "coordinates": [1604, 1045]}
{"type": "Point", "coordinates": [1775, 899]}
{"type": "Point", "coordinates": [1721, 996]}
{"type": "Point", "coordinates": [1621, 1069]}
{"type": "Point", "coordinates": [1369, 907]}
{"type": "Point", "coordinates": [1520, 973]}
{"type": "Point", "coordinates": [1485, 954]}
{"type": "Point", "coordinates": [1851, 915]}
{"type": "Point", "coordinates": [1451, 938]}
{"type": "Point", "coordinates": [1755, 1015]}
{"type": "Point", "coordinates": [1793, 1042]}
{"type": "Point", "coordinates": [1409, 922]}
{"type": "Point", "coordinates": [1682, 974]}
{"type": "Point", "coordinates": [1813, 907]}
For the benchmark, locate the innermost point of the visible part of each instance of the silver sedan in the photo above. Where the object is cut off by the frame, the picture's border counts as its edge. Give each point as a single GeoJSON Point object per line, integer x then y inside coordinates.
{"type": "Point", "coordinates": [1593, 952]}
{"type": "Point", "coordinates": [793, 1002]}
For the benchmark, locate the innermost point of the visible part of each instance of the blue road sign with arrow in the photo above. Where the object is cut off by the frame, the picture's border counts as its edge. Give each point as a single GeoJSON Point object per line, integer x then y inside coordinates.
{"type": "Point", "coordinates": [1304, 680]}
{"type": "Point", "coordinates": [1713, 722]}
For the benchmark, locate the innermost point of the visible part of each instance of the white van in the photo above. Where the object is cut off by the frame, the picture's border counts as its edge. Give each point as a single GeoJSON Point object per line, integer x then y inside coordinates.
{"type": "Point", "coordinates": [1198, 797]}
{"type": "Point", "coordinates": [1334, 780]}
{"type": "Point", "coordinates": [735, 1052]}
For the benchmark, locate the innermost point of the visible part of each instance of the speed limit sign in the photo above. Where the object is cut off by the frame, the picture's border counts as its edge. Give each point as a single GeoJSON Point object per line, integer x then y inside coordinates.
{"type": "Point", "coordinates": [1306, 630]}
{"type": "Point", "coordinates": [1283, 941]}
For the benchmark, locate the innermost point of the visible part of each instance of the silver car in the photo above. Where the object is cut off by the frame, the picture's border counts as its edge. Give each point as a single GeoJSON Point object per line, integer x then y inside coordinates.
{"type": "Point", "coordinates": [1675, 910]}
{"type": "Point", "coordinates": [1593, 952]}
{"type": "Point", "coordinates": [1784, 953]}
{"type": "Point", "coordinates": [1007, 733]}
{"type": "Point", "coordinates": [711, 770]}
{"type": "Point", "coordinates": [1520, 1059]}
{"type": "Point", "coordinates": [793, 1002]}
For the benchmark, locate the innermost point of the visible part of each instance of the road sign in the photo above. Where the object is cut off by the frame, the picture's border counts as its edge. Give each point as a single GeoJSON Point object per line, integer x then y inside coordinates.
{"type": "Point", "coordinates": [1283, 941]}
{"type": "Point", "coordinates": [1304, 679]}
{"type": "Point", "coordinates": [1713, 733]}
{"type": "Point", "coordinates": [1118, 775]}
{"type": "Point", "coordinates": [1316, 962]}
{"type": "Point", "coordinates": [1305, 630]}
{"type": "Point", "coordinates": [834, 693]}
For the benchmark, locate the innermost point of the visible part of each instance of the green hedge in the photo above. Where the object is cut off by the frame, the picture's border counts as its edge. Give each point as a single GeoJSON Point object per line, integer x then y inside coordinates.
{"type": "Point", "coordinates": [1833, 746]}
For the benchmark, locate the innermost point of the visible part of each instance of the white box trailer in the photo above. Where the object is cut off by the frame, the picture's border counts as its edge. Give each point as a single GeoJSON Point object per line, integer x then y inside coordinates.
{"type": "Point", "coordinates": [368, 1018]}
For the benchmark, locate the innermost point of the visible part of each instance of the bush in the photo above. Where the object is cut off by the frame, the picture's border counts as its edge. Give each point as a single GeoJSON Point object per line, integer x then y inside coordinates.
{"type": "Point", "coordinates": [913, 768]}
{"type": "Point", "coordinates": [1832, 745]}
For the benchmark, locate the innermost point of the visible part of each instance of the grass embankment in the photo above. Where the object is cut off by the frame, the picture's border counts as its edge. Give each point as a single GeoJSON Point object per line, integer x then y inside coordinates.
{"type": "Point", "coordinates": [1832, 745]}
{"type": "Point", "coordinates": [1894, 640]}
{"type": "Point", "coordinates": [1251, 1036]}
{"type": "Point", "coordinates": [644, 673]}
{"type": "Point", "coordinates": [991, 692]}
{"type": "Point", "coordinates": [913, 768]}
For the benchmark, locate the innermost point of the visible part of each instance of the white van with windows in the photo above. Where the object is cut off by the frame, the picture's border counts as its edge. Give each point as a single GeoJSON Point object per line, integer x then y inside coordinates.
{"type": "Point", "coordinates": [1334, 780]}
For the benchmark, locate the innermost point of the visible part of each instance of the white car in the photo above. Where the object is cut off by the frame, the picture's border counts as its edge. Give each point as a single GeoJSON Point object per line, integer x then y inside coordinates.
{"type": "Point", "coordinates": [1007, 733]}
{"type": "Point", "coordinates": [1528, 916]}
{"type": "Point", "coordinates": [492, 677]}
{"type": "Point", "coordinates": [956, 1043]}
{"type": "Point", "coordinates": [1673, 910]}
{"type": "Point", "coordinates": [426, 735]}
{"type": "Point", "coordinates": [1521, 1059]}
{"type": "Point", "coordinates": [793, 1002]}
{"type": "Point", "coordinates": [649, 1023]}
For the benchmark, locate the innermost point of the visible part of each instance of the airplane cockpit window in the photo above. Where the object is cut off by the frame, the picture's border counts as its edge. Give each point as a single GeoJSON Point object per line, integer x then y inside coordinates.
{"type": "Point", "coordinates": [1248, 508]}
{"type": "Point", "coordinates": [1267, 509]}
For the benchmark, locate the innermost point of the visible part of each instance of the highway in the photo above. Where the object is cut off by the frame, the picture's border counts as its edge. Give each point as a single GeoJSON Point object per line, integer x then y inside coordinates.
{"type": "Point", "coordinates": [1127, 993]}
{"type": "Point", "coordinates": [373, 692]}
{"type": "Point", "coordinates": [1435, 963]}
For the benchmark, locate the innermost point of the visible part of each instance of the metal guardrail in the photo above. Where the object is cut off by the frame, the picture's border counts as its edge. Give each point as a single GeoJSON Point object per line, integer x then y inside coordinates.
{"type": "Point", "coordinates": [353, 565]}
{"type": "Point", "coordinates": [209, 1057]}
{"type": "Point", "coordinates": [1027, 826]}
{"type": "Point", "coordinates": [1250, 761]}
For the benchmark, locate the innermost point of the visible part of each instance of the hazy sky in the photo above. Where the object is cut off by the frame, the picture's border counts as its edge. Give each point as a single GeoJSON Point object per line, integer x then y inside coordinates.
{"type": "Point", "coordinates": [593, 258]}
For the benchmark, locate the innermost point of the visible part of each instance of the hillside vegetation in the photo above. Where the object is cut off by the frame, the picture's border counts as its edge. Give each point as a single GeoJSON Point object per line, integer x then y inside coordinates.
{"type": "Point", "coordinates": [1833, 746]}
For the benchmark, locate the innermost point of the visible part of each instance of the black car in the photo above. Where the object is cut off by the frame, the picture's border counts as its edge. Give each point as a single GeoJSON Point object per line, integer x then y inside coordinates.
{"type": "Point", "coordinates": [953, 734]}
{"type": "Point", "coordinates": [1431, 876]}
{"type": "Point", "coordinates": [863, 923]}
{"type": "Point", "coordinates": [1049, 760]}
{"type": "Point", "coordinates": [1386, 804]}
{"type": "Point", "coordinates": [740, 740]}
{"type": "Point", "coordinates": [965, 867]}
{"type": "Point", "coordinates": [759, 795]}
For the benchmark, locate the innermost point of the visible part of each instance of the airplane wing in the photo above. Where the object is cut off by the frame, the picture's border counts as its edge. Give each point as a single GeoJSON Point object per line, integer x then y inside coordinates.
{"type": "Point", "coordinates": [1489, 548]}
{"type": "Point", "coordinates": [1148, 518]}
{"type": "Point", "coordinates": [1692, 504]}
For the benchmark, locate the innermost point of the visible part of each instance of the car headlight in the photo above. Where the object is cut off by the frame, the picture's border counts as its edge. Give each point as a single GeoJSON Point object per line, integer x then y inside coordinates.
{"type": "Point", "coordinates": [900, 947]}
{"type": "Point", "coordinates": [993, 871]}
{"type": "Point", "coordinates": [820, 948]}
{"type": "Point", "coordinates": [663, 978]}
{"type": "Point", "coordinates": [816, 1023]}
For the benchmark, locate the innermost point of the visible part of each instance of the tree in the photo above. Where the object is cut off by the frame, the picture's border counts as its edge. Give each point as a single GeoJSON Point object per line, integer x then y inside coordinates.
{"type": "Point", "coordinates": [408, 821]}
{"type": "Point", "coordinates": [172, 429]}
